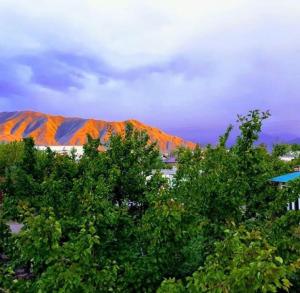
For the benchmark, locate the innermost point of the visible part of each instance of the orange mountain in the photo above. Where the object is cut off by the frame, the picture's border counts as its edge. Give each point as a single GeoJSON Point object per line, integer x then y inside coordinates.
{"type": "Point", "coordinates": [59, 130]}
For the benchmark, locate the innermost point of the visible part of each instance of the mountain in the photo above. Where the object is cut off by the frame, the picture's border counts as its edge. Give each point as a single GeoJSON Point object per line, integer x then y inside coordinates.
{"type": "Point", "coordinates": [295, 141]}
{"type": "Point", "coordinates": [59, 130]}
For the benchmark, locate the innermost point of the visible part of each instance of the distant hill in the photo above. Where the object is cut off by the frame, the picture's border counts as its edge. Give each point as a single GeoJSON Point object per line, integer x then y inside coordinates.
{"type": "Point", "coordinates": [59, 130]}
{"type": "Point", "coordinates": [295, 141]}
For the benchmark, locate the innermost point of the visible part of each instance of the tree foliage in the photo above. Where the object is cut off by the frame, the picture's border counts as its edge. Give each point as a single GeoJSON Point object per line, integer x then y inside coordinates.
{"type": "Point", "coordinates": [109, 222]}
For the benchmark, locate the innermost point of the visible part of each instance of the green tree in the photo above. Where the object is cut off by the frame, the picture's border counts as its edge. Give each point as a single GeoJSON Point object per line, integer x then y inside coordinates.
{"type": "Point", "coordinates": [28, 162]}
{"type": "Point", "coordinates": [280, 150]}
{"type": "Point", "coordinates": [131, 161]}
{"type": "Point", "coordinates": [10, 154]}
{"type": "Point", "coordinates": [243, 262]}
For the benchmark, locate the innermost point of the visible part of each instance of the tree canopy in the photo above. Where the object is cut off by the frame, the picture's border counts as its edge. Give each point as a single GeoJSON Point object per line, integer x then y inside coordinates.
{"type": "Point", "coordinates": [110, 222]}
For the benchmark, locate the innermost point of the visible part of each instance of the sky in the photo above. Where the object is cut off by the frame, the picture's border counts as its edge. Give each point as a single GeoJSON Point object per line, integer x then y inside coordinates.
{"type": "Point", "coordinates": [187, 67]}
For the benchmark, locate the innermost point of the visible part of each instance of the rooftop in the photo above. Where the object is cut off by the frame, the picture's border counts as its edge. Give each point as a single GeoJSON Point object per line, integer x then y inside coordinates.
{"type": "Point", "coordinates": [287, 177]}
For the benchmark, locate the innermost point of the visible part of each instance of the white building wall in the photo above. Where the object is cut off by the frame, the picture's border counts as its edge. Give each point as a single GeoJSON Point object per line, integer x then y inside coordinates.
{"type": "Point", "coordinates": [66, 149]}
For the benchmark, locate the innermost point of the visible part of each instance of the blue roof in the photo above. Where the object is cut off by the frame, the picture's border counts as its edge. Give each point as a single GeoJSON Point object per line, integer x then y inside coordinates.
{"type": "Point", "coordinates": [287, 177]}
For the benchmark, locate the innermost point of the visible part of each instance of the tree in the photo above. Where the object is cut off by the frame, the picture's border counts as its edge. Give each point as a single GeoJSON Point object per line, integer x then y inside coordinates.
{"type": "Point", "coordinates": [254, 163]}
{"type": "Point", "coordinates": [280, 150]}
{"type": "Point", "coordinates": [10, 154]}
{"type": "Point", "coordinates": [295, 147]}
{"type": "Point", "coordinates": [4, 235]}
{"type": "Point", "coordinates": [131, 161]}
{"type": "Point", "coordinates": [243, 262]}
{"type": "Point", "coordinates": [28, 162]}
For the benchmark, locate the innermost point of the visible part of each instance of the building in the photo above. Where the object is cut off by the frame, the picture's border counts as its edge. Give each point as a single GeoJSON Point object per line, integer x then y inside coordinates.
{"type": "Point", "coordinates": [169, 173]}
{"type": "Point", "coordinates": [297, 168]}
{"type": "Point", "coordinates": [64, 149]}
{"type": "Point", "coordinates": [290, 156]}
{"type": "Point", "coordinates": [171, 161]}
{"type": "Point", "coordinates": [282, 180]}
{"type": "Point", "coordinates": [15, 227]}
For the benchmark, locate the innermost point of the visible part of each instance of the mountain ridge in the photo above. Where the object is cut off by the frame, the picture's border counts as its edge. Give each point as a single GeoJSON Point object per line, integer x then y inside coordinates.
{"type": "Point", "coordinates": [60, 130]}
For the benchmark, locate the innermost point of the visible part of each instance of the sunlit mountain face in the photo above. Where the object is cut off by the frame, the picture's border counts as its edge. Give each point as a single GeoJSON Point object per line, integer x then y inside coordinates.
{"type": "Point", "coordinates": [59, 130]}
{"type": "Point", "coordinates": [187, 67]}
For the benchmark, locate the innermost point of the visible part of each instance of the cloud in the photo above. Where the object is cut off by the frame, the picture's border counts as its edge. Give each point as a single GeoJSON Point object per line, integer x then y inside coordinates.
{"type": "Point", "coordinates": [176, 64]}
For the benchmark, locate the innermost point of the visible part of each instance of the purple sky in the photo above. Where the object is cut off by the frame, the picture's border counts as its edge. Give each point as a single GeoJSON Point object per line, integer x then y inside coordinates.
{"type": "Point", "coordinates": [187, 67]}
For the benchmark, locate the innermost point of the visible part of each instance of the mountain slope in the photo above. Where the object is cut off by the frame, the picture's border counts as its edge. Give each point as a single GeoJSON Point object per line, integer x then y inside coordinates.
{"type": "Point", "coordinates": [59, 130]}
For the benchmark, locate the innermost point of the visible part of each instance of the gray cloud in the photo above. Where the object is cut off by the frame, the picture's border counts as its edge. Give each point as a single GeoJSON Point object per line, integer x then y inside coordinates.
{"type": "Point", "coordinates": [187, 67]}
